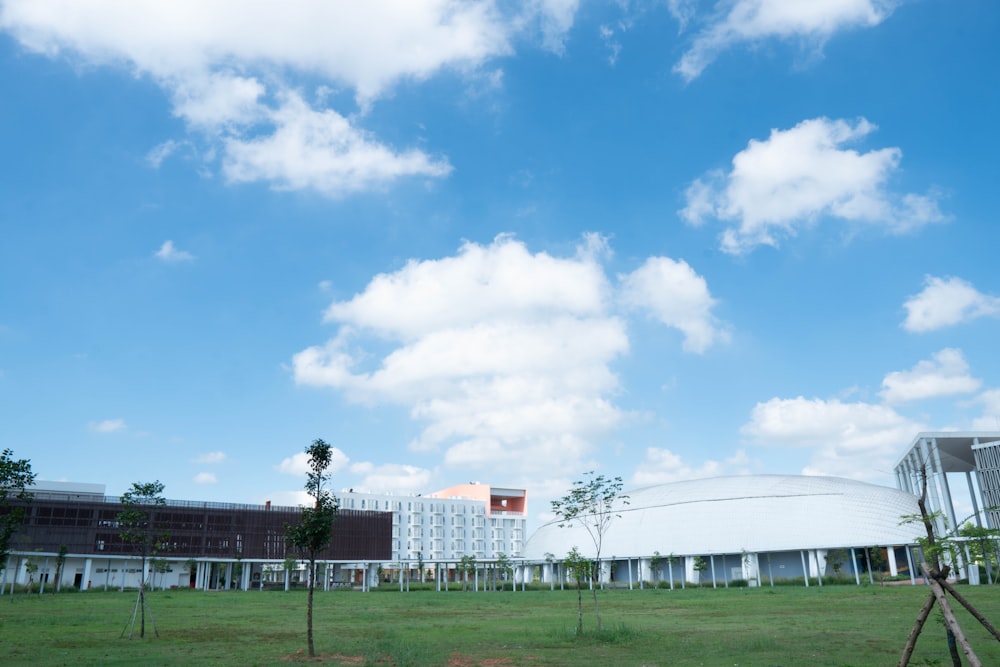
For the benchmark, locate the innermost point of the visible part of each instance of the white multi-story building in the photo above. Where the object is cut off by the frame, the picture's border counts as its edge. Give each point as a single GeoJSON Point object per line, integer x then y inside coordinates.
{"type": "Point", "coordinates": [472, 519]}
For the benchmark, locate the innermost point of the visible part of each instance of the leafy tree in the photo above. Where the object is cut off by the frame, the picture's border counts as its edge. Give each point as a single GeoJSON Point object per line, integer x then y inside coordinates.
{"type": "Point", "coordinates": [877, 561]}
{"type": "Point", "coordinates": [60, 563]}
{"type": "Point", "coordinates": [15, 478]}
{"type": "Point", "coordinates": [467, 566]}
{"type": "Point", "coordinates": [982, 544]}
{"type": "Point", "coordinates": [504, 567]}
{"type": "Point", "coordinates": [136, 524]}
{"type": "Point", "coordinates": [654, 565]}
{"type": "Point", "coordinates": [238, 572]}
{"type": "Point", "coordinates": [420, 565]}
{"type": "Point", "coordinates": [313, 532]}
{"type": "Point", "coordinates": [30, 567]}
{"type": "Point", "coordinates": [579, 568]}
{"type": "Point", "coordinates": [159, 566]}
{"type": "Point", "coordinates": [836, 558]}
{"type": "Point", "coordinates": [700, 566]}
{"type": "Point", "coordinates": [591, 504]}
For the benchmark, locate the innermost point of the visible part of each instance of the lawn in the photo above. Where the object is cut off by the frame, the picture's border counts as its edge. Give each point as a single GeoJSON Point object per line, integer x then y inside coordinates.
{"type": "Point", "coordinates": [839, 626]}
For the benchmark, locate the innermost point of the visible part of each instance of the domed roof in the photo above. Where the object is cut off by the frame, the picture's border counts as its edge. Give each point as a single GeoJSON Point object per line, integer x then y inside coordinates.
{"type": "Point", "coordinates": [752, 513]}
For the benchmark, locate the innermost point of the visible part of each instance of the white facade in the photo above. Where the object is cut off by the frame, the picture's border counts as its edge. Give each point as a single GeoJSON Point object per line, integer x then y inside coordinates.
{"type": "Point", "coordinates": [750, 527]}
{"type": "Point", "coordinates": [439, 529]}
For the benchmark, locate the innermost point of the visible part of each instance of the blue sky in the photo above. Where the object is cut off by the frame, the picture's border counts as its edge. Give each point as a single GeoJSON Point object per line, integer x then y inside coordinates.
{"type": "Point", "coordinates": [504, 242]}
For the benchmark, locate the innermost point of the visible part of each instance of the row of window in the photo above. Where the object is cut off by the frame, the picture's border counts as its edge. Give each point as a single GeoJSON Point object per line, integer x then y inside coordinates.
{"type": "Point", "coordinates": [397, 506]}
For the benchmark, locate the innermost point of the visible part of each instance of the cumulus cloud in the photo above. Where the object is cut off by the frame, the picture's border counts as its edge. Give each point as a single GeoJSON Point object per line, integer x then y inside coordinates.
{"type": "Point", "coordinates": [504, 355]}
{"type": "Point", "coordinates": [858, 440]}
{"type": "Point", "coordinates": [108, 426]}
{"type": "Point", "coordinates": [298, 463]}
{"type": "Point", "coordinates": [736, 22]}
{"type": "Point", "coordinates": [798, 176]}
{"type": "Point", "coordinates": [661, 466]}
{"type": "Point", "coordinates": [945, 302]}
{"type": "Point", "coordinates": [232, 69]}
{"type": "Point", "coordinates": [391, 477]}
{"type": "Point", "coordinates": [673, 293]}
{"type": "Point", "coordinates": [946, 374]}
{"type": "Point", "coordinates": [322, 151]}
{"type": "Point", "coordinates": [168, 252]}
{"type": "Point", "coordinates": [205, 478]}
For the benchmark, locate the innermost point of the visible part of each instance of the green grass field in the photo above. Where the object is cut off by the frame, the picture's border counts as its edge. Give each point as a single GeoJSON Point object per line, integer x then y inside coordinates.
{"type": "Point", "coordinates": [790, 626]}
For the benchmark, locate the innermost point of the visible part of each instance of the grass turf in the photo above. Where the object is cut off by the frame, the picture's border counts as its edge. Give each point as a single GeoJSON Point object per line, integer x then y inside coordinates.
{"type": "Point", "coordinates": [840, 626]}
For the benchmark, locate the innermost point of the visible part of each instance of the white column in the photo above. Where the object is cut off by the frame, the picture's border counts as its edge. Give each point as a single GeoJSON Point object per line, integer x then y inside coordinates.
{"type": "Point", "coordinates": [891, 553]}
{"type": "Point", "coordinates": [88, 564]}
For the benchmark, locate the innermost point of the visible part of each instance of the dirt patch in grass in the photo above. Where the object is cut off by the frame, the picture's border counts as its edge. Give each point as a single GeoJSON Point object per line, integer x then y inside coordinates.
{"type": "Point", "coordinates": [334, 658]}
{"type": "Point", "coordinates": [459, 660]}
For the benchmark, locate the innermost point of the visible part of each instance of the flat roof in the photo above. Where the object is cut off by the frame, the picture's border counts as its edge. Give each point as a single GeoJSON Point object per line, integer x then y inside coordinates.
{"type": "Point", "coordinates": [954, 447]}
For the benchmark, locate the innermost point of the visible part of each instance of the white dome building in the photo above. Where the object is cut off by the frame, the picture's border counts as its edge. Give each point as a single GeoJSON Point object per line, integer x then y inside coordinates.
{"type": "Point", "coordinates": [755, 528]}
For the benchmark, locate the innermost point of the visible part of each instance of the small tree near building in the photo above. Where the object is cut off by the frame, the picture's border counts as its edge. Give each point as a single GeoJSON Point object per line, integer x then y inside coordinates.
{"type": "Point", "coordinates": [467, 567]}
{"type": "Point", "coordinates": [15, 478]}
{"type": "Point", "coordinates": [654, 566]}
{"type": "Point", "coordinates": [592, 503]}
{"type": "Point", "coordinates": [313, 532]}
{"type": "Point", "coordinates": [580, 569]}
{"type": "Point", "coordinates": [60, 563]}
{"type": "Point", "coordinates": [505, 568]}
{"type": "Point", "coordinates": [30, 567]}
{"type": "Point", "coordinates": [137, 527]}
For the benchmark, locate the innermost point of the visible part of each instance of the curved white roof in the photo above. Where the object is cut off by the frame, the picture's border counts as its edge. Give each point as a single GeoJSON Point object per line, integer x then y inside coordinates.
{"type": "Point", "coordinates": [753, 513]}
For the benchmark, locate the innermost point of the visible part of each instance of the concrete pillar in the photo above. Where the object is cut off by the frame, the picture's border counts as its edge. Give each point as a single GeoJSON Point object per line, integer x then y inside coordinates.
{"type": "Point", "coordinates": [88, 565]}
{"type": "Point", "coordinates": [890, 552]}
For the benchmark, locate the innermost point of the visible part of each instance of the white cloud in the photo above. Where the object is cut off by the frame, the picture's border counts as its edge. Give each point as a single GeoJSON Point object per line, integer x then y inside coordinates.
{"type": "Point", "coordinates": [677, 296]}
{"type": "Point", "coordinates": [796, 177]}
{"type": "Point", "coordinates": [946, 374]}
{"type": "Point", "coordinates": [288, 499]}
{"type": "Point", "coordinates": [857, 440]}
{"type": "Point", "coordinates": [505, 356]}
{"type": "Point", "coordinates": [298, 463]}
{"type": "Point", "coordinates": [205, 478]}
{"type": "Point", "coordinates": [990, 419]}
{"type": "Point", "coordinates": [391, 477]}
{"type": "Point", "coordinates": [231, 69]}
{"type": "Point", "coordinates": [108, 426]}
{"type": "Point", "coordinates": [320, 150]}
{"type": "Point", "coordinates": [555, 18]}
{"type": "Point", "coordinates": [161, 152]}
{"type": "Point", "coordinates": [661, 466]}
{"type": "Point", "coordinates": [169, 253]}
{"type": "Point", "coordinates": [749, 21]}
{"type": "Point", "coordinates": [945, 302]}
{"type": "Point", "coordinates": [211, 457]}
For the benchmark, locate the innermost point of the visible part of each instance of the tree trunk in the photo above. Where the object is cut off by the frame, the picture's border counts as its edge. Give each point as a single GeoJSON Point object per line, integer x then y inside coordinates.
{"type": "Point", "coordinates": [597, 610]}
{"type": "Point", "coordinates": [950, 621]}
{"type": "Point", "coordinates": [309, 606]}
{"type": "Point", "coordinates": [911, 642]}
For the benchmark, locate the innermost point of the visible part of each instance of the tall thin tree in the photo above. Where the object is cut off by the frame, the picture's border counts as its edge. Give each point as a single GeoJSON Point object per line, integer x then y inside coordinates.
{"type": "Point", "coordinates": [593, 504]}
{"type": "Point", "coordinates": [313, 532]}
{"type": "Point", "coordinates": [137, 527]}
{"type": "Point", "coordinates": [15, 478]}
